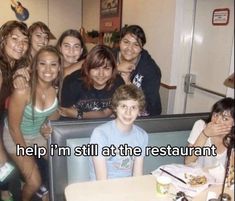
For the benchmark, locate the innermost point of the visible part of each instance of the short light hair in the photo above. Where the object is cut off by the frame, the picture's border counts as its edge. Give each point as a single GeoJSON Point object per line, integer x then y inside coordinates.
{"type": "Point", "coordinates": [128, 92]}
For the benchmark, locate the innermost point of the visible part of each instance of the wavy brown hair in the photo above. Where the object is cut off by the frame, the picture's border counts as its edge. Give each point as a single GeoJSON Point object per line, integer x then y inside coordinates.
{"type": "Point", "coordinates": [128, 92]}
{"type": "Point", "coordinates": [7, 65]}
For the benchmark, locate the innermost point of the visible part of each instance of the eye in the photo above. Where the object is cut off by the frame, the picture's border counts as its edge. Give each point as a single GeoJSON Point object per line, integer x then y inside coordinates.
{"type": "Point", "coordinates": [136, 45]}
{"type": "Point", "coordinates": [123, 106]}
{"type": "Point", "coordinates": [54, 64]}
{"type": "Point", "coordinates": [125, 41]}
{"type": "Point", "coordinates": [216, 114]}
{"type": "Point", "coordinates": [135, 107]}
{"type": "Point", "coordinates": [77, 46]}
{"type": "Point", "coordinates": [107, 68]}
{"type": "Point", "coordinates": [66, 46]}
{"type": "Point", "coordinates": [41, 63]}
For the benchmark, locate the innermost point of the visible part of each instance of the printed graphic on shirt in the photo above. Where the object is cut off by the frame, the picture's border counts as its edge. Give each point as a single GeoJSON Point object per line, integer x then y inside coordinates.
{"type": "Point", "coordinates": [137, 80]}
{"type": "Point", "coordinates": [93, 104]}
{"type": "Point", "coordinates": [122, 162]}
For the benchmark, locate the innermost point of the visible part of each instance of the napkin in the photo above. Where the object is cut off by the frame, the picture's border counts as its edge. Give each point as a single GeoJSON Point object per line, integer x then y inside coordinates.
{"type": "Point", "coordinates": [180, 171]}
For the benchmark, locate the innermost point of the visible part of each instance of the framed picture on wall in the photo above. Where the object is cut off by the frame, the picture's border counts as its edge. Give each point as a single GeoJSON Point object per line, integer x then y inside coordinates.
{"type": "Point", "coordinates": [110, 15]}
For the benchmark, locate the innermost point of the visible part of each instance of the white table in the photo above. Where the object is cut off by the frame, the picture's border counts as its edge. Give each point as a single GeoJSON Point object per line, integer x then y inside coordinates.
{"type": "Point", "coordinates": [141, 188]}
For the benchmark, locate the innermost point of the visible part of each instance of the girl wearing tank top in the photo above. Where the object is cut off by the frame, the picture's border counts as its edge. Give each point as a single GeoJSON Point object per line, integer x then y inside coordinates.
{"type": "Point", "coordinates": [29, 108]}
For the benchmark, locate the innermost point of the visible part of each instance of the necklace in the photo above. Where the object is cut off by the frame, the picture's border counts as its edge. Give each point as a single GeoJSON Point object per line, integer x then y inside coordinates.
{"type": "Point", "coordinates": [43, 95]}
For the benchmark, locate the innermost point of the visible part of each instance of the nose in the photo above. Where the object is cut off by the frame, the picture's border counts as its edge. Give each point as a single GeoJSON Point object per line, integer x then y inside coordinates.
{"type": "Point", "coordinates": [71, 50]}
{"type": "Point", "coordinates": [128, 111]}
{"type": "Point", "coordinates": [20, 44]}
{"type": "Point", "coordinates": [101, 72]}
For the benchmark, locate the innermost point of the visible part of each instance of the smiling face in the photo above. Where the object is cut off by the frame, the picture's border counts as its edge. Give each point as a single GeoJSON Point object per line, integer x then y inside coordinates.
{"type": "Point", "coordinates": [16, 44]}
{"type": "Point", "coordinates": [126, 111]}
{"type": "Point", "coordinates": [130, 47]}
{"type": "Point", "coordinates": [100, 76]}
{"type": "Point", "coordinates": [39, 39]}
{"type": "Point", "coordinates": [47, 66]}
{"type": "Point", "coordinates": [71, 50]}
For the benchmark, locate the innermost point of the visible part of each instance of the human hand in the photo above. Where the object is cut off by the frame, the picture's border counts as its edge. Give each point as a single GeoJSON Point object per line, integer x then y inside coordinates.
{"type": "Point", "coordinates": [126, 77]}
{"type": "Point", "coordinates": [46, 129]}
{"type": "Point", "coordinates": [125, 67]}
{"type": "Point", "coordinates": [213, 129]}
{"type": "Point", "coordinates": [68, 112]}
{"type": "Point", "coordinates": [21, 78]}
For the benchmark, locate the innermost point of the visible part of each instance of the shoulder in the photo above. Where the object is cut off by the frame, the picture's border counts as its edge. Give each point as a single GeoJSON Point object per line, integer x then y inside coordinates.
{"type": "Point", "coordinates": [148, 63]}
{"type": "Point", "coordinates": [103, 128]}
{"type": "Point", "coordinates": [72, 79]}
{"type": "Point", "coordinates": [199, 124]}
{"type": "Point", "coordinates": [140, 132]}
{"type": "Point", "coordinates": [21, 95]}
{"type": "Point", "coordinates": [195, 132]}
{"type": "Point", "coordinates": [102, 131]}
{"type": "Point", "coordinates": [118, 81]}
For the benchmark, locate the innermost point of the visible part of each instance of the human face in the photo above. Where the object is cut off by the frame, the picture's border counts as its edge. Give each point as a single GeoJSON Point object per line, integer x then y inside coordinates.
{"type": "Point", "coordinates": [130, 48]}
{"type": "Point", "coordinates": [71, 50]}
{"type": "Point", "coordinates": [100, 76]}
{"type": "Point", "coordinates": [127, 111]}
{"type": "Point", "coordinates": [39, 39]}
{"type": "Point", "coordinates": [16, 44]}
{"type": "Point", "coordinates": [223, 118]}
{"type": "Point", "coordinates": [47, 66]}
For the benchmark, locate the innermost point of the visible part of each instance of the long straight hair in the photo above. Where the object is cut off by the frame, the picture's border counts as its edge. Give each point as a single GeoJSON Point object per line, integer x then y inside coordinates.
{"type": "Point", "coordinates": [57, 83]}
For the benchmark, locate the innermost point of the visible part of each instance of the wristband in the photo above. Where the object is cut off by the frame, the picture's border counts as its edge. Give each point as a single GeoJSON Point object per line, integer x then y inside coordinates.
{"type": "Point", "coordinates": [203, 132]}
{"type": "Point", "coordinates": [79, 114]}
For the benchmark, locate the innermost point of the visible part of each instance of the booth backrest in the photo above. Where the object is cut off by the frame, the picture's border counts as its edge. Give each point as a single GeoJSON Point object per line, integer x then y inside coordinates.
{"type": "Point", "coordinates": [66, 168]}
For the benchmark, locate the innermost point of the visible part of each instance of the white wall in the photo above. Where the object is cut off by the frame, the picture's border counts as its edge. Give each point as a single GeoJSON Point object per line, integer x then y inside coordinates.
{"type": "Point", "coordinates": [59, 15]}
{"type": "Point", "coordinates": [157, 18]}
{"type": "Point", "coordinates": [91, 13]}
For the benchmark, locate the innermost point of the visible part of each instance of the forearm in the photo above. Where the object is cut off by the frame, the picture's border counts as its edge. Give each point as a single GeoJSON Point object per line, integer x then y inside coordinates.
{"type": "Point", "coordinates": [97, 114]}
{"type": "Point", "coordinates": [100, 168]}
{"type": "Point", "coordinates": [200, 142]}
{"type": "Point", "coordinates": [17, 136]}
{"type": "Point", "coordinates": [138, 166]}
{"type": "Point", "coordinates": [70, 69]}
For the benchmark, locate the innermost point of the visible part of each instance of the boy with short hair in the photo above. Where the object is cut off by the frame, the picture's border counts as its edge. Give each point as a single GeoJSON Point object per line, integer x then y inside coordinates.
{"type": "Point", "coordinates": [127, 103]}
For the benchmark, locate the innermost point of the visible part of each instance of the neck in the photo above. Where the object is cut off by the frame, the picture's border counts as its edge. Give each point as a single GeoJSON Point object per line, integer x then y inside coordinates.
{"type": "Point", "coordinates": [122, 127]}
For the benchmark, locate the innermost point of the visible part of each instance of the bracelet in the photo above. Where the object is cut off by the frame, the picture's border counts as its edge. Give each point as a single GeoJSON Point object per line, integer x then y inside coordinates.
{"type": "Point", "coordinates": [203, 132]}
{"type": "Point", "coordinates": [79, 114]}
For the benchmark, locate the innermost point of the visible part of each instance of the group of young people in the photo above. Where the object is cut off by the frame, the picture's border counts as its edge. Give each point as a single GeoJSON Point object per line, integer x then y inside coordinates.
{"type": "Point", "coordinates": [39, 82]}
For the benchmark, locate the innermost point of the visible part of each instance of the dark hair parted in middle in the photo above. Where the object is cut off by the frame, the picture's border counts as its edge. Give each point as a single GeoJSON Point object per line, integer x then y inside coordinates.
{"type": "Point", "coordinates": [135, 30]}
{"type": "Point", "coordinates": [76, 34]}
{"type": "Point", "coordinates": [99, 56]}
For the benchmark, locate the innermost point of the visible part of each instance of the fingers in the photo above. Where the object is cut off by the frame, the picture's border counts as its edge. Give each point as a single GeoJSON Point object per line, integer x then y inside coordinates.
{"type": "Point", "coordinates": [213, 129]}
{"type": "Point", "coordinates": [20, 82]}
{"type": "Point", "coordinates": [23, 72]}
{"type": "Point", "coordinates": [46, 130]}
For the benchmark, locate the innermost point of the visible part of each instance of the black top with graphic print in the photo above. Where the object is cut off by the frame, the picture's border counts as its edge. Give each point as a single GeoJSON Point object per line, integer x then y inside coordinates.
{"type": "Point", "coordinates": [147, 76]}
{"type": "Point", "coordinates": [74, 93]}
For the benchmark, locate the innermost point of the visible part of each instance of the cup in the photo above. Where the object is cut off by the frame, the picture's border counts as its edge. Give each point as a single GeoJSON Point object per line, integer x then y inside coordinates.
{"type": "Point", "coordinates": [163, 184]}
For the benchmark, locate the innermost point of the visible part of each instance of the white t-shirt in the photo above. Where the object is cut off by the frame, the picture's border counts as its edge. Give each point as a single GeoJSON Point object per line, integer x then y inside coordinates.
{"type": "Point", "coordinates": [206, 161]}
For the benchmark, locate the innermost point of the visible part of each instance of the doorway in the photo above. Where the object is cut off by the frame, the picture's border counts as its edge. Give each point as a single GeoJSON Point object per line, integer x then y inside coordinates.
{"type": "Point", "coordinates": [209, 50]}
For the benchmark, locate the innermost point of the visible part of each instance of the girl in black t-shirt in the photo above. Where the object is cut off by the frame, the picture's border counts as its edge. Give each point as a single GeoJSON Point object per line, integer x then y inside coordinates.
{"type": "Point", "coordinates": [88, 94]}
